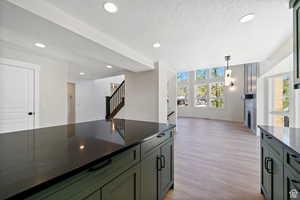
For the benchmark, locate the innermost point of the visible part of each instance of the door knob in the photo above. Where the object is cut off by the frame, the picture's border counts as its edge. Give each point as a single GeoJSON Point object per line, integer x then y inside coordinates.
{"type": "Point", "coordinates": [31, 113]}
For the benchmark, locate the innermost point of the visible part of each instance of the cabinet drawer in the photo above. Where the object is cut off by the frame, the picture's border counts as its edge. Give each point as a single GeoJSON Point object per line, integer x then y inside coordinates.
{"type": "Point", "coordinates": [274, 143]}
{"type": "Point", "coordinates": [82, 185]}
{"type": "Point", "coordinates": [292, 160]}
{"type": "Point", "coordinates": [291, 185]}
{"type": "Point", "coordinates": [149, 145]}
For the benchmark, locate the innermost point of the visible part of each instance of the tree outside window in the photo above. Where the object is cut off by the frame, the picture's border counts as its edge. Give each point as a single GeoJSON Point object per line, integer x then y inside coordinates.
{"type": "Point", "coordinates": [210, 95]}
{"type": "Point", "coordinates": [217, 72]}
{"type": "Point", "coordinates": [202, 74]}
{"type": "Point", "coordinates": [285, 102]}
{"type": "Point", "coordinates": [217, 95]}
{"type": "Point", "coordinates": [280, 100]}
{"type": "Point", "coordinates": [201, 95]}
{"type": "Point", "coordinates": [208, 88]}
{"type": "Point", "coordinates": [182, 76]}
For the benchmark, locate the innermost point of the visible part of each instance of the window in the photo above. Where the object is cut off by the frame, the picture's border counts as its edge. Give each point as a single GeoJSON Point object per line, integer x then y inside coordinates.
{"type": "Point", "coordinates": [201, 95]}
{"type": "Point", "coordinates": [217, 72]}
{"type": "Point", "coordinates": [217, 95]}
{"type": "Point", "coordinates": [182, 76]}
{"type": "Point", "coordinates": [202, 74]}
{"type": "Point", "coordinates": [182, 96]}
{"type": "Point", "coordinates": [280, 100]}
{"type": "Point", "coordinates": [211, 94]}
{"type": "Point", "coordinates": [208, 88]}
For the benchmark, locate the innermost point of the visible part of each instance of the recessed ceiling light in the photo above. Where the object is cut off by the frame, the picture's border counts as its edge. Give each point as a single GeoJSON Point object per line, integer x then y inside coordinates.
{"type": "Point", "coordinates": [247, 18]}
{"type": "Point", "coordinates": [109, 66]}
{"type": "Point", "coordinates": [40, 45]}
{"type": "Point", "coordinates": [81, 73]}
{"type": "Point", "coordinates": [156, 45]}
{"type": "Point", "coordinates": [110, 7]}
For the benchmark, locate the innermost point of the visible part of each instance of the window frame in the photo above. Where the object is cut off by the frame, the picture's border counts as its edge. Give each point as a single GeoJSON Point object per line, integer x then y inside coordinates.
{"type": "Point", "coordinates": [272, 113]}
{"type": "Point", "coordinates": [209, 81]}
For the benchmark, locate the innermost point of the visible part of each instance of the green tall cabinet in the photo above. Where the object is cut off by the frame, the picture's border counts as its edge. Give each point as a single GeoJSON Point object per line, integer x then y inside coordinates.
{"type": "Point", "coordinates": [295, 4]}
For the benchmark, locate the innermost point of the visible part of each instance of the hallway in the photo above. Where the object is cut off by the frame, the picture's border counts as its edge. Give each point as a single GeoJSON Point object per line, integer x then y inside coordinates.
{"type": "Point", "coordinates": [215, 160]}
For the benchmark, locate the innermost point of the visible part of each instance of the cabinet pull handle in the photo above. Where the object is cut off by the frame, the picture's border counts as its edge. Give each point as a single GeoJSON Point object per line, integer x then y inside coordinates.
{"type": "Point", "coordinates": [102, 165]}
{"type": "Point", "coordinates": [269, 165]}
{"type": "Point", "coordinates": [269, 137]}
{"type": "Point", "coordinates": [158, 163]}
{"type": "Point", "coordinates": [265, 163]}
{"type": "Point", "coordinates": [160, 135]}
{"type": "Point", "coordinates": [295, 158]}
{"type": "Point", "coordinates": [163, 165]}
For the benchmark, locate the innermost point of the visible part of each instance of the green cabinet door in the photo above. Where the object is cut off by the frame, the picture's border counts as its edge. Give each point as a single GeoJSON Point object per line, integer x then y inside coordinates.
{"type": "Point", "coordinates": [291, 185]}
{"type": "Point", "coordinates": [94, 196]}
{"type": "Point", "coordinates": [149, 173]}
{"type": "Point", "coordinates": [124, 187]}
{"type": "Point", "coordinates": [296, 43]}
{"type": "Point", "coordinates": [266, 177]}
{"type": "Point", "coordinates": [277, 177]}
{"type": "Point", "coordinates": [166, 173]}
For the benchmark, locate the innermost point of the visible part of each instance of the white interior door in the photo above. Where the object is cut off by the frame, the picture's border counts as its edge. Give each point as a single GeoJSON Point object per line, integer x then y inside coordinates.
{"type": "Point", "coordinates": [16, 98]}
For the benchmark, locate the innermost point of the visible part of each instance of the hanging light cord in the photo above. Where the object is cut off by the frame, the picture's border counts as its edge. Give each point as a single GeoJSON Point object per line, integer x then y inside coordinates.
{"type": "Point", "coordinates": [227, 58]}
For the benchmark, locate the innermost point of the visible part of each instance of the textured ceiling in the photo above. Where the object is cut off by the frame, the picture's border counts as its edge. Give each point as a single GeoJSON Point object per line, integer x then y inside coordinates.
{"type": "Point", "coordinates": [192, 33]}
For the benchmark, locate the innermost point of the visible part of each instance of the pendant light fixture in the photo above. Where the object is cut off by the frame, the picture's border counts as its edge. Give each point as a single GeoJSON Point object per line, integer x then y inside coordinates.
{"type": "Point", "coordinates": [228, 71]}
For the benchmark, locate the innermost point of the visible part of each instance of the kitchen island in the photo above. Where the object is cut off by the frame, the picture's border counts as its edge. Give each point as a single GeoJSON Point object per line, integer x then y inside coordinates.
{"type": "Point", "coordinates": [280, 162]}
{"type": "Point", "coordinates": [107, 160]}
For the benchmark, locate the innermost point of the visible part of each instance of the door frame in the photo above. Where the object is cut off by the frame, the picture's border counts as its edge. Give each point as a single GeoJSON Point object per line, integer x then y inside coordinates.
{"type": "Point", "coordinates": [36, 70]}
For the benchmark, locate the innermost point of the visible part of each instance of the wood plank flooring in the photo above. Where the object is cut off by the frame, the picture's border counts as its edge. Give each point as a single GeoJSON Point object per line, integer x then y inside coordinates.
{"type": "Point", "coordinates": [215, 160]}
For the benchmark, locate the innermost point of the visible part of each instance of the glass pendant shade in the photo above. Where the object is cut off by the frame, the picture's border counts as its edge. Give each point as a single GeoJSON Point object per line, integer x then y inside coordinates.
{"type": "Point", "coordinates": [228, 77]}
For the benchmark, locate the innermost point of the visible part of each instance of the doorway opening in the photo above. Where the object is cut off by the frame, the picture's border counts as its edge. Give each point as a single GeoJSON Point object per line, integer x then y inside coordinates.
{"type": "Point", "coordinates": [71, 103]}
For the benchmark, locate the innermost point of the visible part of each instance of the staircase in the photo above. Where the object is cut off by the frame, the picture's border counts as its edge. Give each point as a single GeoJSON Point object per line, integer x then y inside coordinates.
{"type": "Point", "coordinates": [115, 102]}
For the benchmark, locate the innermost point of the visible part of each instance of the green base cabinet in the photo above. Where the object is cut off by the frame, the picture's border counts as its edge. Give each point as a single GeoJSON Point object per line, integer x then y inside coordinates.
{"type": "Point", "coordinates": [277, 173]}
{"type": "Point", "coordinates": [157, 172]}
{"type": "Point", "coordinates": [166, 172]}
{"type": "Point", "coordinates": [280, 169]}
{"type": "Point", "coordinates": [266, 177]}
{"type": "Point", "coordinates": [143, 172]}
{"type": "Point", "coordinates": [94, 196]}
{"type": "Point", "coordinates": [272, 168]}
{"type": "Point", "coordinates": [149, 176]}
{"type": "Point", "coordinates": [124, 187]}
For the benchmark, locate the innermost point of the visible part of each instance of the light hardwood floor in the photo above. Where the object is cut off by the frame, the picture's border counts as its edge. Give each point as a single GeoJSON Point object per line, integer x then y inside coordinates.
{"type": "Point", "coordinates": [215, 160]}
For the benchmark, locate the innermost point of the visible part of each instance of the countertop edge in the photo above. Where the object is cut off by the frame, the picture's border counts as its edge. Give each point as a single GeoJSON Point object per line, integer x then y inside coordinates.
{"type": "Point", "coordinates": [39, 187]}
{"type": "Point", "coordinates": [283, 143]}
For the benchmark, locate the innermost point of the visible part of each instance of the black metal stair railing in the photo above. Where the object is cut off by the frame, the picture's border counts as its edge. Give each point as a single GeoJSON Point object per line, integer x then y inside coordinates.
{"type": "Point", "coordinates": [115, 102]}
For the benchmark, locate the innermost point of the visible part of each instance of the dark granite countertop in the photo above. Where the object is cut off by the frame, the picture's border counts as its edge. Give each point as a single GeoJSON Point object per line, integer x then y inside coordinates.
{"type": "Point", "coordinates": [33, 158]}
{"type": "Point", "coordinates": [288, 136]}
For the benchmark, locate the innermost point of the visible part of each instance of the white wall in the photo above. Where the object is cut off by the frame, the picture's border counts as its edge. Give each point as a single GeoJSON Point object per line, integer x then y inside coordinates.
{"type": "Point", "coordinates": [90, 98]}
{"type": "Point", "coordinates": [141, 96]}
{"type": "Point", "coordinates": [172, 95]}
{"type": "Point", "coordinates": [281, 61]}
{"type": "Point", "coordinates": [146, 95]}
{"type": "Point", "coordinates": [53, 87]}
{"type": "Point", "coordinates": [233, 104]}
